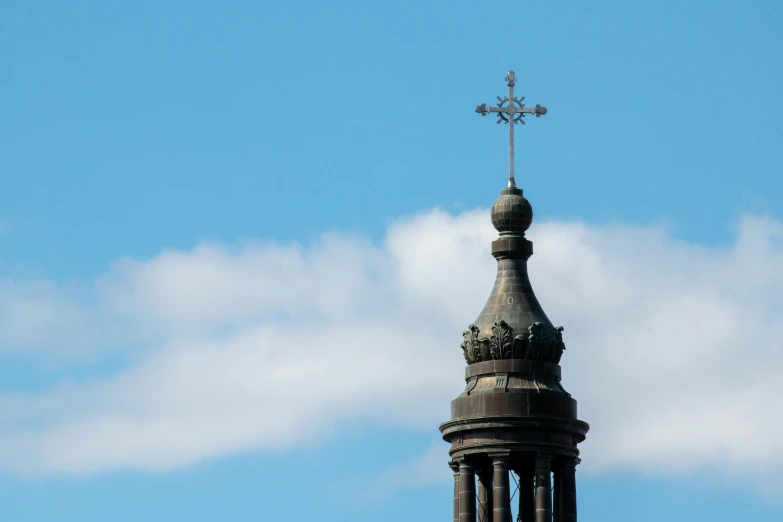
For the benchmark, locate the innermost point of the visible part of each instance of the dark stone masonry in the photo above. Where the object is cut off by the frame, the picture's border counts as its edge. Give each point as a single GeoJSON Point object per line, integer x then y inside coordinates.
{"type": "Point", "coordinates": [514, 425]}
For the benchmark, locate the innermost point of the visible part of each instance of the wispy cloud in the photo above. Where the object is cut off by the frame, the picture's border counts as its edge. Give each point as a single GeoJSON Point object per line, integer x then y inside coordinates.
{"type": "Point", "coordinates": [673, 348]}
{"type": "Point", "coordinates": [423, 470]}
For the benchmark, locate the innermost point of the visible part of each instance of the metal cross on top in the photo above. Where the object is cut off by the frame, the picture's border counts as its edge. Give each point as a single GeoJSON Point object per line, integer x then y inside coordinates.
{"type": "Point", "coordinates": [512, 111]}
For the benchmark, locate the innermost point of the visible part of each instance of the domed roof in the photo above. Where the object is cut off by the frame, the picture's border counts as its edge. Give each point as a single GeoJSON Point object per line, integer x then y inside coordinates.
{"type": "Point", "coordinates": [512, 324]}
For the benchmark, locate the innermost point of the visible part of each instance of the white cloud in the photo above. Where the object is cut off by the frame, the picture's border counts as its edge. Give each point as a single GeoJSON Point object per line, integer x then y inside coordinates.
{"type": "Point", "coordinates": [673, 349]}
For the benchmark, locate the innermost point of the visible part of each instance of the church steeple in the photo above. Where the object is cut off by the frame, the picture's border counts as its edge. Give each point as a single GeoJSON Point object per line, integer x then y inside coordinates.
{"type": "Point", "coordinates": [514, 416]}
{"type": "Point", "coordinates": [512, 312]}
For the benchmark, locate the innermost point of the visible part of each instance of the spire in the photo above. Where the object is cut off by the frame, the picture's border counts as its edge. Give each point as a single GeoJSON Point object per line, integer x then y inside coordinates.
{"type": "Point", "coordinates": [513, 416]}
{"type": "Point", "coordinates": [512, 324]}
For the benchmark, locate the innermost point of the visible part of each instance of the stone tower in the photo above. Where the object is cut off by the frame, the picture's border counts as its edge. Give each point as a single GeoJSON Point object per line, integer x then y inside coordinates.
{"type": "Point", "coordinates": [514, 424]}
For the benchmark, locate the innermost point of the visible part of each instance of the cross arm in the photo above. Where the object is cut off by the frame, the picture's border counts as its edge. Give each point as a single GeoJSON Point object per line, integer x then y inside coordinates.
{"type": "Point", "coordinates": [485, 109]}
{"type": "Point", "coordinates": [537, 110]}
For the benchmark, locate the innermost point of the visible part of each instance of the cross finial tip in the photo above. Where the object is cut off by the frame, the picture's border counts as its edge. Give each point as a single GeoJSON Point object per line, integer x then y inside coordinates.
{"type": "Point", "coordinates": [511, 110]}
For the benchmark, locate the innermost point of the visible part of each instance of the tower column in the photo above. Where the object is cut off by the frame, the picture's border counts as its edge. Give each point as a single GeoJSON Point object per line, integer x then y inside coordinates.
{"type": "Point", "coordinates": [568, 490]}
{"type": "Point", "coordinates": [485, 496]}
{"type": "Point", "coordinates": [467, 493]}
{"type": "Point", "coordinates": [556, 492]}
{"type": "Point", "coordinates": [543, 489]}
{"type": "Point", "coordinates": [527, 499]}
{"type": "Point", "coordinates": [455, 468]}
{"type": "Point", "coordinates": [501, 503]}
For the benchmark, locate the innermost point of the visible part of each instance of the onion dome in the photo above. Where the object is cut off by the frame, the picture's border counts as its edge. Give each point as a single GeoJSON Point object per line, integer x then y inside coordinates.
{"type": "Point", "coordinates": [512, 324]}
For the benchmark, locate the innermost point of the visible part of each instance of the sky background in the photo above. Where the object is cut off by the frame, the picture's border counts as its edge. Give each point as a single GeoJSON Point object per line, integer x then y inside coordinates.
{"type": "Point", "coordinates": [239, 242]}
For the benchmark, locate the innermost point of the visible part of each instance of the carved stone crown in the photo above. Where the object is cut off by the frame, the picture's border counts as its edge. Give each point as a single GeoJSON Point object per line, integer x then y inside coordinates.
{"type": "Point", "coordinates": [540, 343]}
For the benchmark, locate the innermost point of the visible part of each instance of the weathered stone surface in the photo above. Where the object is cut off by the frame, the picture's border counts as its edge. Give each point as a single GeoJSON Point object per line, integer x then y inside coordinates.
{"type": "Point", "coordinates": [514, 414]}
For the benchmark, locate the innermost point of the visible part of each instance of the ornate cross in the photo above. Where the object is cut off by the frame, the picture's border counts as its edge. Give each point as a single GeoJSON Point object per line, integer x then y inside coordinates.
{"type": "Point", "coordinates": [512, 111]}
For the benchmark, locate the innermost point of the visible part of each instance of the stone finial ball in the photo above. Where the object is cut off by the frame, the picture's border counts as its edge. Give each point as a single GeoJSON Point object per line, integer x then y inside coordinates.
{"type": "Point", "coordinates": [511, 212]}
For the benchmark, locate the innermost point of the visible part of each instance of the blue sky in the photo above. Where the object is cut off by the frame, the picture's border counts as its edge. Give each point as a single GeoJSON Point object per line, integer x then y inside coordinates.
{"type": "Point", "coordinates": [206, 207]}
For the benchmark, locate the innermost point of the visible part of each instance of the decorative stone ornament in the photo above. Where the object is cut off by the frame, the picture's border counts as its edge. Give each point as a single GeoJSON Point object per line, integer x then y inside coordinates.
{"type": "Point", "coordinates": [542, 343]}
{"type": "Point", "coordinates": [500, 342]}
{"type": "Point", "coordinates": [471, 346]}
